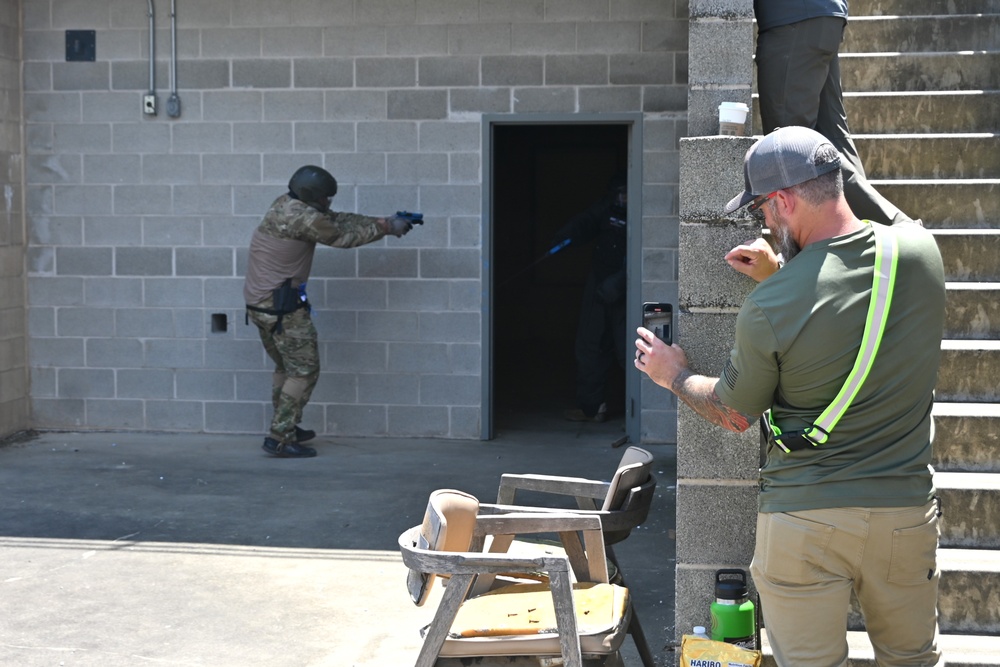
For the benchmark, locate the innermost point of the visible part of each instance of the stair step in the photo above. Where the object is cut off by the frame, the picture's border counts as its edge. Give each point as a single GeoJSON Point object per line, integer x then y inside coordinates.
{"type": "Point", "coordinates": [966, 70]}
{"type": "Point", "coordinates": [946, 204]}
{"type": "Point", "coordinates": [967, 437]}
{"type": "Point", "coordinates": [939, 156]}
{"type": "Point", "coordinates": [968, 371]}
{"type": "Point", "coordinates": [971, 509]}
{"type": "Point", "coordinates": [924, 111]}
{"type": "Point", "coordinates": [969, 594]}
{"type": "Point", "coordinates": [860, 8]}
{"type": "Point", "coordinates": [958, 650]}
{"type": "Point", "coordinates": [972, 310]}
{"type": "Point", "coordinates": [969, 254]}
{"type": "Point", "coordinates": [910, 33]}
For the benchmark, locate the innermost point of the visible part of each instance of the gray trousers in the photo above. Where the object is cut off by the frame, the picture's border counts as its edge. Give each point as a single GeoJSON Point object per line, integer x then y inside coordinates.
{"type": "Point", "coordinates": [798, 82]}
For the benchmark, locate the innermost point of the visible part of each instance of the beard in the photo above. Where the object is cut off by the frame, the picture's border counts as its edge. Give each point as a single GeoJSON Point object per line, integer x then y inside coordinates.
{"type": "Point", "coordinates": [786, 244]}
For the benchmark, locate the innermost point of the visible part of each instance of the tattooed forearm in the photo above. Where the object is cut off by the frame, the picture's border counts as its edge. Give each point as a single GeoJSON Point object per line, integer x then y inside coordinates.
{"type": "Point", "coordinates": [698, 392]}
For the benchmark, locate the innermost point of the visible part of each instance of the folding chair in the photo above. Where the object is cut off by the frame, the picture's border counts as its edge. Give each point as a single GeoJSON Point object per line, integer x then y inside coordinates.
{"type": "Point", "coordinates": [624, 504]}
{"type": "Point", "coordinates": [583, 621]}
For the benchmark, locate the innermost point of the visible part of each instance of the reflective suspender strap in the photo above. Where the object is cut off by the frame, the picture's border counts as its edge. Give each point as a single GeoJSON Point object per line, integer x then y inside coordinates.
{"type": "Point", "coordinates": [883, 283]}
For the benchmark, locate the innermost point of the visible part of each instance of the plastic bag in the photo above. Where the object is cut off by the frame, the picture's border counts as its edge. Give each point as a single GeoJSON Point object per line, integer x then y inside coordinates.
{"type": "Point", "coordinates": [701, 652]}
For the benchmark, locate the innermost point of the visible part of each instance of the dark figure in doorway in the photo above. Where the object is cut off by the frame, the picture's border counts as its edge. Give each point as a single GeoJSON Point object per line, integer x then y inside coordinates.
{"type": "Point", "coordinates": [600, 333]}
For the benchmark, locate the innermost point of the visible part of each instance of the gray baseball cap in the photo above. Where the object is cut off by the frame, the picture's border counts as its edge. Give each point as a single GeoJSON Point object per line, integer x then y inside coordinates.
{"type": "Point", "coordinates": [784, 158]}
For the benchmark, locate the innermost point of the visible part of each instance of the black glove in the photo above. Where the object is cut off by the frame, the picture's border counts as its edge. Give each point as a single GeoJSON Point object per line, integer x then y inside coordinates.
{"type": "Point", "coordinates": [399, 226]}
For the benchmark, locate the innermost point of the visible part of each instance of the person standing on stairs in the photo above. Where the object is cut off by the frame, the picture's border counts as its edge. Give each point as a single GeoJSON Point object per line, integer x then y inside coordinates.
{"type": "Point", "coordinates": [798, 83]}
{"type": "Point", "coordinates": [824, 354]}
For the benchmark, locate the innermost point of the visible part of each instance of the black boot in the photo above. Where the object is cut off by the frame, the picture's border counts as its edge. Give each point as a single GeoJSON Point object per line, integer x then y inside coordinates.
{"type": "Point", "coordinates": [287, 450]}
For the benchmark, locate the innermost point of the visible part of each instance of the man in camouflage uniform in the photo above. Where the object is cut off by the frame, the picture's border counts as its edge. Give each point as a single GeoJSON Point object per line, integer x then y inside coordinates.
{"type": "Point", "coordinates": [280, 259]}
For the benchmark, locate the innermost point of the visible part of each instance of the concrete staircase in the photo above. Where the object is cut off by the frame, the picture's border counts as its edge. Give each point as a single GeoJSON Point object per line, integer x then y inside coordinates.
{"type": "Point", "coordinates": [922, 91]}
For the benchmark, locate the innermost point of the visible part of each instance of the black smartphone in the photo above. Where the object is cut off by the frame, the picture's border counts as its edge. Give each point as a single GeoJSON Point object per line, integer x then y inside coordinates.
{"type": "Point", "coordinates": [658, 318]}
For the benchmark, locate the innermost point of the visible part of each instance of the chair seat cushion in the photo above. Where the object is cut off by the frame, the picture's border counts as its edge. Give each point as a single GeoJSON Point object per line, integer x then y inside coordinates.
{"type": "Point", "coordinates": [520, 620]}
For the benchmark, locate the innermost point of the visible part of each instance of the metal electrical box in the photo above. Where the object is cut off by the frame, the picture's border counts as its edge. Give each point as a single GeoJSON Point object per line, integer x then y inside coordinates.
{"type": "Point", "coordinates": [81, 45]}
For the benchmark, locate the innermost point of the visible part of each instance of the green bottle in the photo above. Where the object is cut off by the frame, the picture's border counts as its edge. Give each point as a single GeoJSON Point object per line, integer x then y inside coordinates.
{"type": "Point", "coordinates": [733, 617]}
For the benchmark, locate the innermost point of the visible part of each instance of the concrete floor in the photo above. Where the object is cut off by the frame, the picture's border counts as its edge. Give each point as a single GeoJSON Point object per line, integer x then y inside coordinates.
{"type": "Point", "coordinates": [185, 549]}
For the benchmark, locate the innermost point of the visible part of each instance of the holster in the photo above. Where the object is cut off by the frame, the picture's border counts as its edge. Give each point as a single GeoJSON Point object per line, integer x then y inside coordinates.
{"type": "Point", "coordinates": [284, 299]}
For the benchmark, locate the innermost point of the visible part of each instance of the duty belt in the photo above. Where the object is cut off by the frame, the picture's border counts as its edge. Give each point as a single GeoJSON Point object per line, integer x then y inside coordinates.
{"type": "Point", "coordinates": [883, 283]}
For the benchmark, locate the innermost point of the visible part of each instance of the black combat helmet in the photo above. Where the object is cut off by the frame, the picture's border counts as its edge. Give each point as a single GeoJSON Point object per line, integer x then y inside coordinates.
{"type": "Point", "coordinates": [314, 186]}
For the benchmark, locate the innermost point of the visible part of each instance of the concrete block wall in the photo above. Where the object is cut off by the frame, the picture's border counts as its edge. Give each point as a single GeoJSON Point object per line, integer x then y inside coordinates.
{"type": "Point", "coordinates": [138, 224]}
{"type": "Point", "coordinates": [14, 403]}
{"type": "Point", "coordinates": [717, 471]}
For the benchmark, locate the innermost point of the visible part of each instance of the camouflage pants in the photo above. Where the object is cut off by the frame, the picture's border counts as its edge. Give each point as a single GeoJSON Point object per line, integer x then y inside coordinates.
{"type": "Point", "coordinates": [295, 353]}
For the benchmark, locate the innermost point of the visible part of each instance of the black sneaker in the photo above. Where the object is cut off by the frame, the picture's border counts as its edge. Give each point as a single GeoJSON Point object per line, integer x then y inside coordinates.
{"type": "Point", "coordinates": [288, 450]}
{"type": "Point", "coordinates": [304, 434]}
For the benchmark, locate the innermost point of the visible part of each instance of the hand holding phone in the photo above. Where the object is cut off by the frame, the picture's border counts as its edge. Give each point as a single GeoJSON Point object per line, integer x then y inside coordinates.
{"type": "Point", "coordinates": [658, 318]}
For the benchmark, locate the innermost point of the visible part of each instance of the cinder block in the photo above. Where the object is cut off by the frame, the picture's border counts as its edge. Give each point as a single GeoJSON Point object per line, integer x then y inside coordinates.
{"type": "Point", "coordinates": [543, 37]}
{"type": "Point", "coordinates": [465, 295]}
{"type": "Point", "coordinates": [223, 292]}
{"type": "Point", "coordinates": [114, 353]}
{"type": "Point", "coordinates": [616, 37]}
{"type": "Point", "coordinates": [171, 169]}
{"type": "Point", "coordinates": [169, 353]}
{"type": "Point", "coordinates": [392, 136]}
{"type": "Point", "coordinates": [357, 167]}
{"type": "Point", "coordinates": [52, 107]}
{"type": "Point", "coordinates": [513, 70]}
{"type": "Point", "coordinates": [234, 354]}
{"type": "Point", "coordinates": [413, 357]}
{"type": "Point", "coordinates": [355, 104]}
{"type": "Point", "coordinates": [231, 169]}
{"type": "Point", "coordinates": [85, 383]}
{"type": "Point", "coordinates": [356, 357]}
{"type": "Point", "coordinates": [441, 200]}
{"type": "Point", "coordinates": [41, 322]}
{"type": "Point", "coordinates": [173, 292]}
{"type": "Point", "coordinates": [708, 281]}
{"type": "Point", "coordinates": [109, 107]}
{"type": "Point", "coordinates": [84, 322]}
{"type": "Point", "coordinates": [416, 40]}
{"type": "Point", "coordinates": [83, 262]}
{"type": "Point", "coordinates": [417, 104]}
{"type": "Point", "coordinates": [658, 99]}
{"type": "Point", "coordinates": [293, 105]}
{"type": "Point", "coordinates": [134, 75]}
{"type": "Point", "coordinates": [234, 417]}
{"type": "Point", "coordinates": [388, 263]}
{"type": "Point", "coordinates": [231, 232]}
{"type": "Point", "coordinates": [464, 168]}
{"type": "Point", "coordinates": [175, 415]}
{"type": "Point", "coordinates": [202, 200]}
{"type": "Point", "coordinates": [201, 74]}
{"type": "Point", "coordinates": [724, 9]}
{"type": "Point", "coordinates": [711, 65]}
{"type": "Point", "coordinates": [612, 99]}
{"type": "Point", "coordinates": [145, 383]}
{"type": "Point", "coordinates": [383, 199]}
{"type": "Point", "coordinates": [291, 41]}
{"type": "Point", "coordinates": [450, 71]}
{"type": "Point", "coordinates": [385, 72]}
{"type": "Point", "coordinates": [43, 382]}
{"type": "Point", "coordinates": [195, 385]}
{"type": "Point", "coordinates": [352, 40]}
{"type": "Point", "coordinates": [143, 262]}
{"type": "Point", "coordinates": [581, 70]}
{"type": "Point", "coordinates": [325, 136]}
{"type": "Point", "coordinates": [420, 422]}
{"type": "Point", "coordinates": [339, 388]}
{"type": "Point", "coordinates": [394, 389]}
{"type": "Point", "coordinates": [361, 420]}
{"type": "Point", "coordinates": [544, 100]}
{"type": "Point", "coordinates": [140, 138]}
{"type": "Point", "coordinates": [658, 426]}
{"type": "Point", "coordinates": [418, 295]}
{"type": "Point", "coordinates": [706, 451]}
{"type": "Point", "coordinates": [194, 323]}
{"type": "Point", "coordinates": [711, 174]}
{"type": "Point", "coordinates": [210, 137]}
{"type": "Point", "coordinates": [450, 390]}
{"type": "Point", "coordinates": [142, 200]}
{"type": "Point", "coordinates": [144, 323]}
{"type": "Point", "coordinates": [703, 108]}
{"type": "Point", "coordinates": [82, 199]}
{"type": "Point", "coordinates": [80, 76]}
{"type": "Point", "coordinates": [204, 262]}
{"type": "Point", "coordinates": [466, 358]}
{"type": "Point", "coordinates": [707, 338]}
{"type": "Point", "coordinates": [701, 536]}
{"type": "Point", "coordinates": [466, 423]}
{"type": "Point", "coordinates": [479, 39]}
{"type": "Point", "coordinates": [417, 168]}
{"type": "Point", "coordinates": [450, 327]}
{"type": "Point", "coordinates": [232, 105]}
{"type": "Point", "coordinates": [449, 137]}
{"type": "Point", "coordinates": [324, 72]}
{"type": "Point", "coordinates": [234, 43]}
{"type": "Point", "coordinates": [642, 68]}
{"type": "Point", "coordinates": [450, 263]}
{"type": "Point", "coordinates": [90, 138]}
{"type": "Point", "coordinates": [480, 100]}
{"type": "Point", "coordinates": [112, 169]}
{"type": "Point", "coordinates": [259, 138]}
{"type": "Point", "coordinates": [58, 412]}
{"type": "Point", "coordinates": [53, 169]}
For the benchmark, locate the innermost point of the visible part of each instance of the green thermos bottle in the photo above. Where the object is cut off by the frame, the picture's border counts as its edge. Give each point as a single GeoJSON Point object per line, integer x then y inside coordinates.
{"type": "Point", "coordinates": [733, 618]}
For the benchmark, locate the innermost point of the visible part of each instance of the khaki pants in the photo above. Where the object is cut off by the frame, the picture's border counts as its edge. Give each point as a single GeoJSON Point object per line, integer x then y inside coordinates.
{"type": "Point", "coordinates": [806, 564]}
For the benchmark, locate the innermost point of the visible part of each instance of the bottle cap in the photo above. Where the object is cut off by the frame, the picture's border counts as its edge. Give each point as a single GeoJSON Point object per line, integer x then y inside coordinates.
{"type": "Point", "coordinates": [699, 629]}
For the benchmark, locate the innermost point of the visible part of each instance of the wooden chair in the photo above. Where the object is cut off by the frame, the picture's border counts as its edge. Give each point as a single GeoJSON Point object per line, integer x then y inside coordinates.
{"type": "Point", "coordinates": [577, 615]}
{"type": "Point", "coordinates": [622, 504]}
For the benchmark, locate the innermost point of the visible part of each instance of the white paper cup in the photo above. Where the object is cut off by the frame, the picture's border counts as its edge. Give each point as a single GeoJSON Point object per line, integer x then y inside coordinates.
{"type": "Point", "coordinates": [733, 118]}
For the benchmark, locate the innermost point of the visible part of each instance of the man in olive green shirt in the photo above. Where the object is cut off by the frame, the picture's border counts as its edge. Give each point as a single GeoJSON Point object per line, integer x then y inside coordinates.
{"type": "Point", "coordinates": [855, 512]}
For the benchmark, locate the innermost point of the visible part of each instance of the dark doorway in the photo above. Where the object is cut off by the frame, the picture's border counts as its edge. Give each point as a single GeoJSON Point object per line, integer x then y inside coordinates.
{"type": "Point", "coordinates": [542, 176]}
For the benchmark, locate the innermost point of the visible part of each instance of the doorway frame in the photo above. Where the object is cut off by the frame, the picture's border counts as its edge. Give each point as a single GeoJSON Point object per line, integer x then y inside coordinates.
{"type": "Point", "coordinates": [633, 260]}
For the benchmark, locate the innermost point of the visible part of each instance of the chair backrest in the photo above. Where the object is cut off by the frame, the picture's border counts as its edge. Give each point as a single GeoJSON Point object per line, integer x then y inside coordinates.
{"type": "Point", "coordinates": [633, 470]}
{"type": "Point", "coordinates": [449, 522]}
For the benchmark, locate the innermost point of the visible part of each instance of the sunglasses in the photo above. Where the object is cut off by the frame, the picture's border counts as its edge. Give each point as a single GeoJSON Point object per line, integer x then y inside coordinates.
{"type": "Point", "coordinates": [754, 208]}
